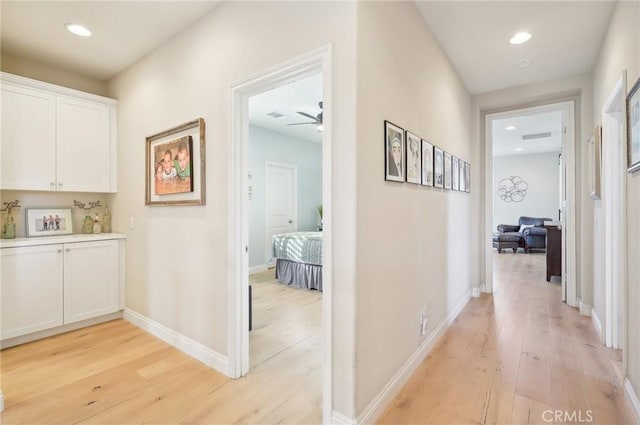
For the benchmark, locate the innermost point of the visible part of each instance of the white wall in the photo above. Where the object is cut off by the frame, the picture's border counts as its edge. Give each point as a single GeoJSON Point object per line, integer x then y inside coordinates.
{"type": "Point", "coordinates": [267, 145]}
{"type": "Point", "coordinates": [541, 172]}
{"type": "Point", "coordinates": [191, 75]}
{"type": "Point", "coordinates": [416, 244]}
{"type": "Point", "coordinates": [621, 50]}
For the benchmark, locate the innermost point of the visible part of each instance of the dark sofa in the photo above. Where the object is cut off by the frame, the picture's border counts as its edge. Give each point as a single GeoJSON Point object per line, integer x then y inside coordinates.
{"type": "Point", "coordinates": [534, 237]}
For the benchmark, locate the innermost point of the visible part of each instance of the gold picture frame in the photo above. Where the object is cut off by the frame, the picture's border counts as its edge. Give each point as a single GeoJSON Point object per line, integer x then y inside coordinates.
{"type": "Point", "coordinates": [175, 166]}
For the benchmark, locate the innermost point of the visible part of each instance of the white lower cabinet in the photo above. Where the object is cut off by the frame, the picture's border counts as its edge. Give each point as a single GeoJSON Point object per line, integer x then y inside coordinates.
{"type": "Point", "coordinates": [47, 286]}
{"type": "Point", "coordinates": [90, 280]}
{"type": "Point", "coordinates": [31, 289]}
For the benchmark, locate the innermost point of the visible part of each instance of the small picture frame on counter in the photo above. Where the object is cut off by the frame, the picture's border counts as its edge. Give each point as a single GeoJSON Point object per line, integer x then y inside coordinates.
{"type": "Point", "coordinates": [49, 222]}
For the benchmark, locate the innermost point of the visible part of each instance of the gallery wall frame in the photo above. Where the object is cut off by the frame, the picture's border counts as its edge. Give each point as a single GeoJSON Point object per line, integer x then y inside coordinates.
{"type": "Point", "coordinates": [413, 158]}
{"type": "Point", "coordinates": [455, 173]}
{"type": "Point", "coordinates": [427, 163]}
{"type": "Point", "coordinates": [633, 128]}
{"type": "Point", "coordinates": [394, 157]}
{"type": "Point", "coordinates": [175, 166]}
{"type": "Point", "coordinates": [447, 171]}
{"type": "Point", "coordinates": [438, 167]}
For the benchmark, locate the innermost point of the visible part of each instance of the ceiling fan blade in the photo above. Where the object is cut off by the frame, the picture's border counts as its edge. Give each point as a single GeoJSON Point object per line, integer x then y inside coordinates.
{"type": "Point", "coordinates": [302, 123]}
{"type": "Point", "coordinates": [307, 115]}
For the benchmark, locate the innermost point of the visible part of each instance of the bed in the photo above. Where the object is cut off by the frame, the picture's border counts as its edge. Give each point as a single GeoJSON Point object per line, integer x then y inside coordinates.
{"type": "Point", "coordinates": [298, 259]}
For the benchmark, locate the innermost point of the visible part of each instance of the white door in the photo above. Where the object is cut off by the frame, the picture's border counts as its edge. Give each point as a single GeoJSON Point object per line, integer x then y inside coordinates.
{"type": "Point", "coordinates": [28, 139]}
{"type": "Point", "coordinates": [91, 273]}
{"type": "Point", "coordinates": [31, 289]}
{"type": "Point", "coordinates": [281, 202]}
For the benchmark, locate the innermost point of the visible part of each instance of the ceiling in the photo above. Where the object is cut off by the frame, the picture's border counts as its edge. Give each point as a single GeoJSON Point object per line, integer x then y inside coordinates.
{"type": "Point", "coordinates": [510, 142]}
{"type": "Point", "coordinates": [123, 31]}
{"type": "Point", "coordinates": [302, 95]}
{"type": "Point", "coordinates": [566, 37]}
{"type": "Point", "coordinates": [474, 35]}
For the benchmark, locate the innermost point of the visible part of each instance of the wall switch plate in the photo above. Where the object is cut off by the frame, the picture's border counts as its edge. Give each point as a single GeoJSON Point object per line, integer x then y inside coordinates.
{"type": "Point", "coordinates": [132, 223]}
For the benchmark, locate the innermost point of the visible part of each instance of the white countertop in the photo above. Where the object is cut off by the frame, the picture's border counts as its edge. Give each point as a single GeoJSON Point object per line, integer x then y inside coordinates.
{"type": "Point", "coordinates": [50, 240]}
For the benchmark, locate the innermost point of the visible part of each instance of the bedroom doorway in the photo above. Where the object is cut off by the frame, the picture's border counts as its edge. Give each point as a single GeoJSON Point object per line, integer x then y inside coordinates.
{"type": "Point", "coordinates": [250, 352]}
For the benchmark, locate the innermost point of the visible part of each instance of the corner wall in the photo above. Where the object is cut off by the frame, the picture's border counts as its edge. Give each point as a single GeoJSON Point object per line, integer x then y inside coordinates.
{"type": "Point", "coordinates": [621, 50]}
{"type": "Point", "coordinates": [416, 244]}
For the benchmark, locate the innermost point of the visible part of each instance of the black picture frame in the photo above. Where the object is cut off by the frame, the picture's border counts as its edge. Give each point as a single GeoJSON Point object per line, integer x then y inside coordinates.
{"type": "Point", "coordinates": [413, 156]}
{"type": "Point", "coordinates": [467, 177]}
{"type": "Point", "coordinates": [394, 147]}
{"type": "Point", "coordinates": [455, 173]}
{"type": "Point", "coordinates": [427, 163]}
{"type": "Point", "coordinates": [438, 167]}
{"type": "Point", "coordinates": [633, 128]}
{"type": "Point", "coordinates": [447, 171]}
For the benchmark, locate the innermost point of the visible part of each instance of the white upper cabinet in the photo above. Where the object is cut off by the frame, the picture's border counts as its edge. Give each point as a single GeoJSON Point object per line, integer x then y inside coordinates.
{"type": "Point", "coordinates": [28, 139]}
{"type": "Point", "coordinates": [55, 138]}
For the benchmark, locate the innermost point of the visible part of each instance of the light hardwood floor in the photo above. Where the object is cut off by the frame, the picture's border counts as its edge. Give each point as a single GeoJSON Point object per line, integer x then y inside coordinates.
{"type": "Point", "coordinates": [115, 373]}
{"type": "Point", "coordinates": [509, 358]}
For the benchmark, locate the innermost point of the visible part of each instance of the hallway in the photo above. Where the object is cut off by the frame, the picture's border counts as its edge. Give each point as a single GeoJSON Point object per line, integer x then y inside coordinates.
{"type": "Point", "coordinates": [519, 357]}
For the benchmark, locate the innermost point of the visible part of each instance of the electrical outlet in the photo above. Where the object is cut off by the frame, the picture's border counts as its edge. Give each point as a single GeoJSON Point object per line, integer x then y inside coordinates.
{"type": "Point", "coordinates": [423, 320]}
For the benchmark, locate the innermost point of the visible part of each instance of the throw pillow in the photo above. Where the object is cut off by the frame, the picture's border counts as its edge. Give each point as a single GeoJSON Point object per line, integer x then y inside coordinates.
{"type": "Point", "coordinates": [524, 226]}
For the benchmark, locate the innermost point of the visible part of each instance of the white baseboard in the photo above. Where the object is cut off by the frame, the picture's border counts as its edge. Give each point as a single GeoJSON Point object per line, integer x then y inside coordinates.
{"type": "Point", "coordinates": [376, 407]}
{"type": "Point", "coordinates": [1, 402]}
{"type": "Point", "coordinates": [187, 345]}
{"type": "Point", "coordinates": [633, 398]}
{"type": "Point", "coordinates": [597, 323]}
{"type": "Point", "coordinates": [585, 309]}
{"type": "Point", "coordinates": [258, 269]}
{"type": "Point", "coordinates": [23, 339]}
{"type": "Point", "coordinates": [340, 419]}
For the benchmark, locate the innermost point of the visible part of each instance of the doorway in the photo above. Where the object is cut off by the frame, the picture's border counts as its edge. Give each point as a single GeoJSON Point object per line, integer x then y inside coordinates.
{"type": "Point", "coordinates": [566, 181]}
{"type": "Point", "coordinates": [281, 202]}
{"type": "Point", "coordinates": [314, 62]}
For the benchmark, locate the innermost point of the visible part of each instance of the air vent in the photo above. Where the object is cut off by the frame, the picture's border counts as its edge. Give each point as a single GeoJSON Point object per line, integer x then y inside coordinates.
{"type": "Point", "coordinates": [275, 114]}
{"type": "Point", "coordinates": [536, 135]}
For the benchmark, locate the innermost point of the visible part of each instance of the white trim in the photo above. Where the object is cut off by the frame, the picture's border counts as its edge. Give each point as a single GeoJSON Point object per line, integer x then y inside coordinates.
{"type": "Point", "coordinates": [597, 324]}
{"type": "Point", "coordinates": [23, 339]}
{"type": "Point", "coordinates": [60, 90]}
{"type": "Point", "coordinates": [614, 164]}
{"type": "Point", "coordinates": [316, 61]}
{"type": "Point", "coordinates": [476, 291]}
{"type": "Point", "coordinates": [338, 418]}
{"type": "Point", "coordinates": [187, 345]}
{"type": "Point", "coordinates": [380, 402]}
{"type": "Point", "coordinates": [258, 269]}
{"type": "Point", "coordinates": [569, 230]}
{"type": "Point", "coordinates": [1, 401]}
{"type": "Point", "coordinates": [585, 309]}
{"type": "Point", "coordinates": [633, 398]}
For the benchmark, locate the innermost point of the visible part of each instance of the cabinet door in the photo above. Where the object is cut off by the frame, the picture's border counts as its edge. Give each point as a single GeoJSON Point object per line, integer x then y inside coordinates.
{"type": "Point", "coordinates": [31, 289]}
{"type": "Point", "coordinates": [28, 142]}
{"type": "Point", "coordinates": [91, 273]}
{"type": "Point", "coordinates": [84, 161]}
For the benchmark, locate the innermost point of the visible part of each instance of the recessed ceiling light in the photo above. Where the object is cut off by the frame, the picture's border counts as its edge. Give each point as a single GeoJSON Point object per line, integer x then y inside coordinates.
{"type": "Point", "coordinates": [511, 127]}
{"type": "Point", "coordinates": [518, 149]}
{"type": "Point", "coordinates": [520, 38]}
{"type": "Point", "coordinates": [78, 29]}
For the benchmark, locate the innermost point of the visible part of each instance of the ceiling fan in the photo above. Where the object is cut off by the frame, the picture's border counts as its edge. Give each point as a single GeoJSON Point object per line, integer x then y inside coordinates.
{"type": "Point", "coordinates": [317, 120]}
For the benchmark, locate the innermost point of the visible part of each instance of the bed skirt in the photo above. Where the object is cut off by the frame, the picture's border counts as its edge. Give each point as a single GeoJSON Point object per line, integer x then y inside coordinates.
{"type": "Point", "coordinates": [299, 275]}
